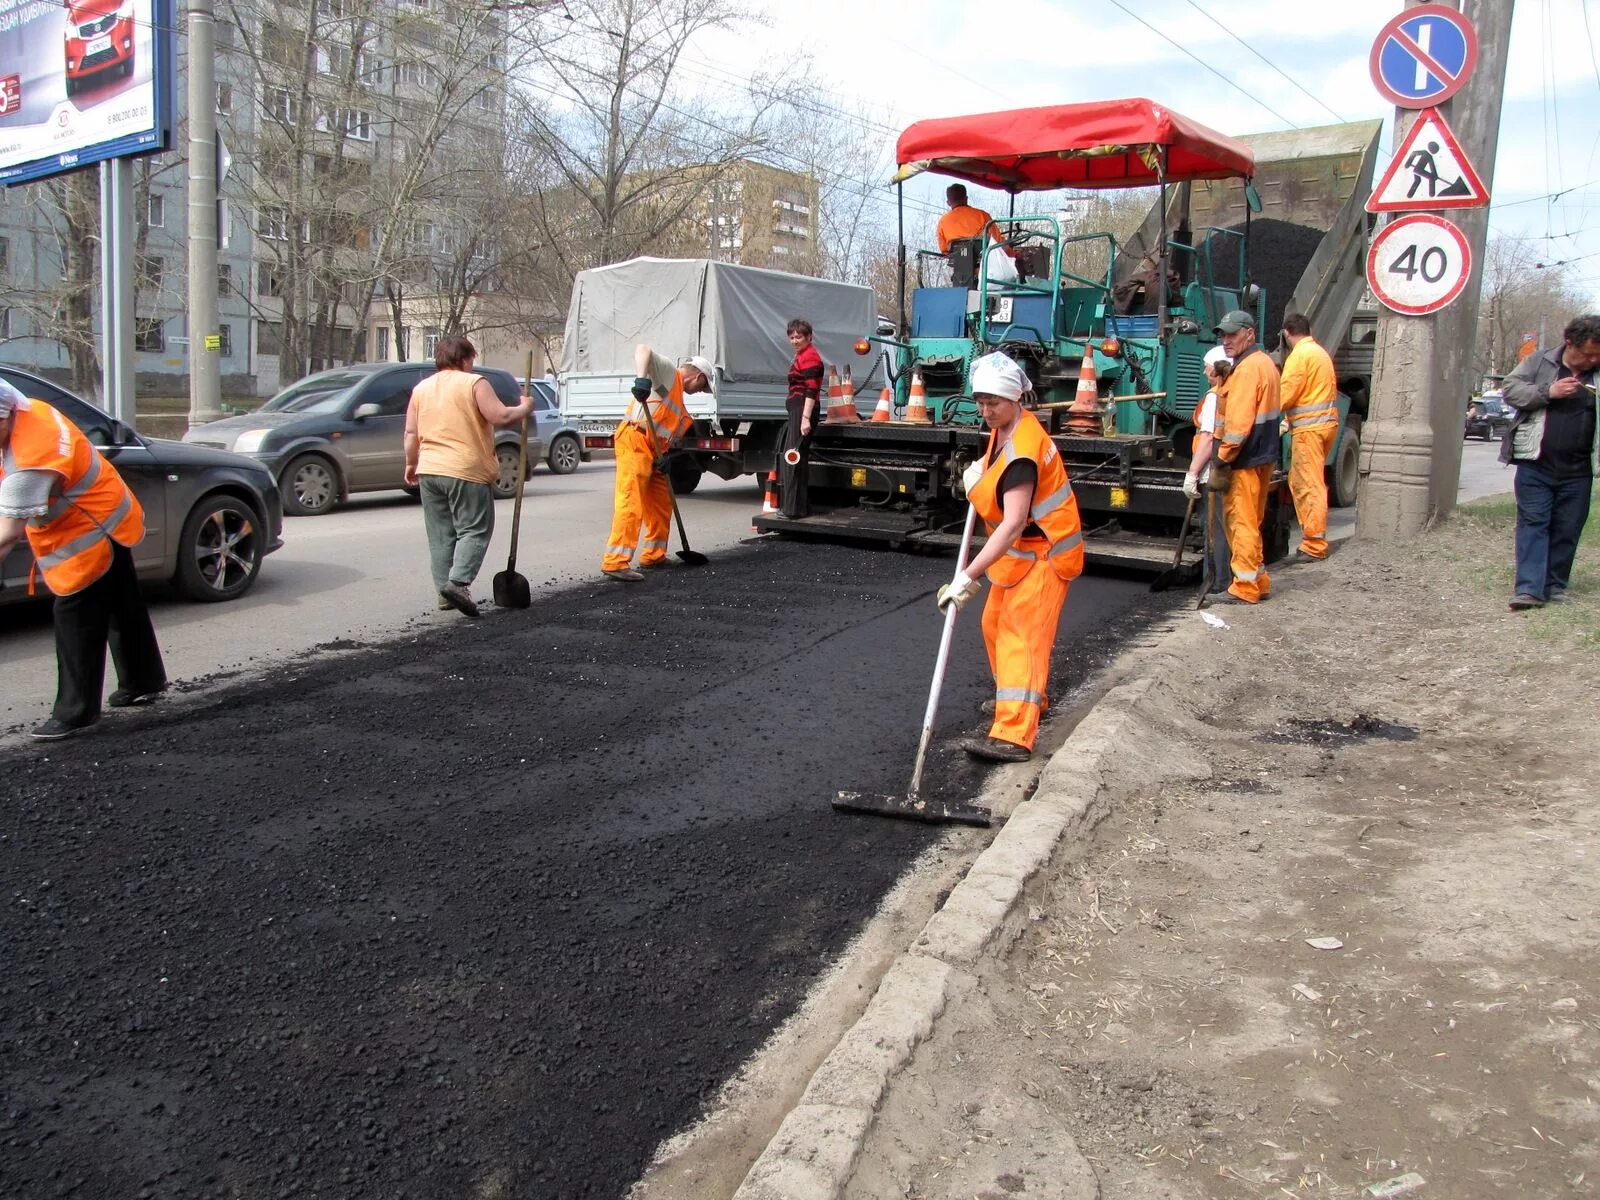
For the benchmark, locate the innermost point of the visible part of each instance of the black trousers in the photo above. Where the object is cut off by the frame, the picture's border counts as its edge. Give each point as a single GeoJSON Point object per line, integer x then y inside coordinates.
{"type": "Point", "coordinates": [109, 612]}
{"type": "Point", "coordinates": [792, 498]}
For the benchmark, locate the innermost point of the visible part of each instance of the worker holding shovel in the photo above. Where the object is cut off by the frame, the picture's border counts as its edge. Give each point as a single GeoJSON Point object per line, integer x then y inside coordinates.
{"type": "Point", "coordinates": [643, 496]}
{"type": "Point", "coordinates": [1034, 550]}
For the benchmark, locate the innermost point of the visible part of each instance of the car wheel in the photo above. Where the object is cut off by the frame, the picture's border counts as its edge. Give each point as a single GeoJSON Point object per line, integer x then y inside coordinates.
{"type": "Point", "coordinates": [685, 474]}
{"type": "Point", "coordinates": [1344, 476]}
{"type": "Point", "coordinates": [505, 484]}
{"type": "Point", "coordinates": [310, 486]}
{"type": "Point", "coordinates": [219, 554]}
{"type": "Point", "coordinates": [565, 454]}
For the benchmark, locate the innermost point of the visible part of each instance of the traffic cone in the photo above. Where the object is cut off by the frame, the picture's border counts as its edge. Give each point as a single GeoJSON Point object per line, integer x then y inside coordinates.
{"type": "Point", "coordinates": [885, 410]}
{"type": "Point", "coordinates": [917, 405]}
{"type": "Point", "coordinates": [835, 395]}
{"type": "Point", "coordinates": [1084, 415]}
{"type": "Point", "coordinates": [769, 499]}
{"type": "Point", "coordinates": [847, 401]}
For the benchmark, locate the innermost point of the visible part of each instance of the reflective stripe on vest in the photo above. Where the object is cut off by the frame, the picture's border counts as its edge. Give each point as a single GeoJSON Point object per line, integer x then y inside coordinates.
{"type": "Point", "coordinates": [1322, 415]}
{"type": "Point", "coordinates": [1018, 695]}
{"type": "Point", "coordinates": [1054, 509]}
{"type": "Point", "coordinates": [65, 501]}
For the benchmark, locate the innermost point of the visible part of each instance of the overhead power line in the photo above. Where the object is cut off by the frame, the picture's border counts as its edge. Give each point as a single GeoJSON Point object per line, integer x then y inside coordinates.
{"type": "Point", "coordinates": [1292, 80]}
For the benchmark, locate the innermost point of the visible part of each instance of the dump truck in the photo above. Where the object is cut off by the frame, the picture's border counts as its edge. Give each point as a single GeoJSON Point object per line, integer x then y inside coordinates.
{"type": "Point", "coordinates": [1271, 224]}
{"type": "Point", "coordinates": [735, 316]}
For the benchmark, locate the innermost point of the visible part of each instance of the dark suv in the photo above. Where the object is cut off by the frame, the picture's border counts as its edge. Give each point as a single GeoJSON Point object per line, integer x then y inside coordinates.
{"type": "Point", "coordinates": [341, 431]}
{"type": "Point", "coordinates": [210, 518]}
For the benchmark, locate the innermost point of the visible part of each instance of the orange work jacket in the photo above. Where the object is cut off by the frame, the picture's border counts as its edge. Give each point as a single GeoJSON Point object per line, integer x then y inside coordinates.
{"type": "Point", "coordinates": [1251, 412]}
{"type": "Point", "coordinates": [669, 421]}
{"type": "Point", "coordinates": [1308, 388]}
{"type": "Point", "coordinates": [91, 508]}
{"type": "Point", "coordinates": [1054, 509]}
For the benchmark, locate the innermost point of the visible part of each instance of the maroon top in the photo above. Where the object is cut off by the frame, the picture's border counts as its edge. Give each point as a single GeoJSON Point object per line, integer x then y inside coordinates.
{"type": "Point", "coordinates": [805, 379]}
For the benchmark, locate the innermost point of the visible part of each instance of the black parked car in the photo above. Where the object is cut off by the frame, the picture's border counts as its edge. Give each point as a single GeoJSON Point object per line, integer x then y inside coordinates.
{"type": "Point", "coordinates": [210, 517]}
{"type": "Point", "coordinates": [1488, 417]}
{"type": "Point", "coordinates": [340, 431]}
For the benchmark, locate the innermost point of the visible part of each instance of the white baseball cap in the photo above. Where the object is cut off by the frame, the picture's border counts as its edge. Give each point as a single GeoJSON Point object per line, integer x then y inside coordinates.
{"type": "Point", "coordinates": [702, 364]}
{"type": "Point", "coordinates": [9, 398]}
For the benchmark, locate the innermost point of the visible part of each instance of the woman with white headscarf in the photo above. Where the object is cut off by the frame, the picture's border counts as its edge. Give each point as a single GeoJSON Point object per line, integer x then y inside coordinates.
{"type": "Point", "coordinates": [1034, 550]}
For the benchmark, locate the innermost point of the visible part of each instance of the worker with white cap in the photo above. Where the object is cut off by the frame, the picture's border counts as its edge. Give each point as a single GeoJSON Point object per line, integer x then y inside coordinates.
{"type": "Point", "coordinates": [1207, 424]}
{"type": "Point", "coordinates": [643, 496]}
{"type": "Point", "coordinates": [1034, 550]}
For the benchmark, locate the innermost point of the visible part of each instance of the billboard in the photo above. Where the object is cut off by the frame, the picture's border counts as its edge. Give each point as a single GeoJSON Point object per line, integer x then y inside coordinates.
{"type": "Point", "coordinates": [82, 81]}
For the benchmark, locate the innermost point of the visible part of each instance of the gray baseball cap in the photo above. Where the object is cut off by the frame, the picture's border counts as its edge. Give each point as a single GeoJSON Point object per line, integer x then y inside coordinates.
{"type": "Point", "coordinates": [1236, 320]}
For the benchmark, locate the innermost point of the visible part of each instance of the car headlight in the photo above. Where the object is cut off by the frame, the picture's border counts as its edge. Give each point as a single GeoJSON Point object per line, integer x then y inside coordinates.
{"type": "Point", "coordinates": [250, 441]}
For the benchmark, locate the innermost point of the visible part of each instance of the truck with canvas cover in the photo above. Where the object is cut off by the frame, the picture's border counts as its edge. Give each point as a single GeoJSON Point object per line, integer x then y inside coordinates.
{"type": "Point", "coordinates": [733, 315]}
{"type": "Point", "coordinates": [1112, 333]}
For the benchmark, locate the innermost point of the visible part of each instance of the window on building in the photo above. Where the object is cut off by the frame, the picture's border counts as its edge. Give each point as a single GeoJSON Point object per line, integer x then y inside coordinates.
{"type": "Point", "coordinates": [416, 72]}
{"type": "Point", "coordinates": [333, 8]}
{"type": "Point", "coordinates": [280, 105]}
{"type": "Point", "coordinates": [484, 99]}
{"type": "Point", "coordinates": [5, 255]}
{"type": "Point", "coordinates": [224, 279]}
{"type": "Point", "coordinates": [430, 340]}
{"type": "Point", "coordinates": [269, 280]}
{"type": "Point", "coordinates": [155, 213]}
{"type": "Point", "coordinates": [269, 337]}
{"type": "Point", "coordinates": [383, 343]}
{"type": "Point", "coordinates": [273, 224]}
{"type": "Point", "coordinates": [149, 335]}
{"type": "Point", "coordinates": [225, 332]}
{"type": "Point", "coordinates": [224, 99]}
{"type": "Point", "coordinates": [354, 123]}
{"type": "Point", "coordinates": [152, 270]}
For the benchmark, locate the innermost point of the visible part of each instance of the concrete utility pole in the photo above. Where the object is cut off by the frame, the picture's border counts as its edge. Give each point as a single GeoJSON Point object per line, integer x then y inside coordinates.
{"type": "Point", "coordinates": [1422, 377]}
{"type": "Point", "coordinates": [205, 343]}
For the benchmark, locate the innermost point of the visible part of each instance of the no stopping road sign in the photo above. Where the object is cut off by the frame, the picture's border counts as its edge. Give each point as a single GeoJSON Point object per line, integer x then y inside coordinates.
{"type": "Point", "coordinates": [1423, 56]}
{"type": "Point", "coordinates": [1418, 264]}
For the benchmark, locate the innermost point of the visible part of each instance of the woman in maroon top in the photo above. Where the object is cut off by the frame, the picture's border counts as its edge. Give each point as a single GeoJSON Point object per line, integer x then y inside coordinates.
{"type": "Point", "coordinates": [805, 390]}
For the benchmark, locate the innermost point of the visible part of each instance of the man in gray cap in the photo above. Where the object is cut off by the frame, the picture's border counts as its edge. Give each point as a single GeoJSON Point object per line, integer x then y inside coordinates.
{"type": "Point", "coordinates": [1251, 447]}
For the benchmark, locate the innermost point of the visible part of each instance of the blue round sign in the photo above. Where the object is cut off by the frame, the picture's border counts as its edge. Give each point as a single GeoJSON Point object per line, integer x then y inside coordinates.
{"type": "Point", "coordinates": [1423, 56]}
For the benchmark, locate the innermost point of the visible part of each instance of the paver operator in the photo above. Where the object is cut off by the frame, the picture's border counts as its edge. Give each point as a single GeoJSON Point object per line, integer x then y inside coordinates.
{"type": "Point", "coordinates": [1250, 449]}
{"type": "Point", "coordinates": [962, 220]}
{"type": "Point", "coordinates": [82, 522]}
{"type": "Point", "coordinates": [1034, 551]}
{"type": "Point", "coordinates": [643, 496]}
{"type": "Point", "coordinates": [1310, 396]}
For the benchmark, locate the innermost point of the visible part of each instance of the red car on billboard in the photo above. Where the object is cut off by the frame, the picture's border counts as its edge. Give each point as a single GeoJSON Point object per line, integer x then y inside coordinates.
{"type": "Point", "coordinates": [97, 40]}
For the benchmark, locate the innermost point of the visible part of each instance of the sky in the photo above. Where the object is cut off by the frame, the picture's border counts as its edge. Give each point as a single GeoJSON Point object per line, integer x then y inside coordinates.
{"type": "Point", "coordinates": [892, 62]}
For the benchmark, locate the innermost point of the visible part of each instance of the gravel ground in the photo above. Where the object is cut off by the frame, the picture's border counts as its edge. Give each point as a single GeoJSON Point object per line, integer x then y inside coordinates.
{"type": "Point", "coordinates": [487, 911]}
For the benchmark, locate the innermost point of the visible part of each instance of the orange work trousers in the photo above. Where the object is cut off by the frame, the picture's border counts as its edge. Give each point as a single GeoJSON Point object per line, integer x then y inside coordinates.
{"type": "Point", "coordinates": [643, 498]}
{"type": "Point", "coordinates": [1309, 482]}
{"type": "Point", "coordinates": [1244, 508]}
{"type": "Point", "coordinates": [1019, 631]}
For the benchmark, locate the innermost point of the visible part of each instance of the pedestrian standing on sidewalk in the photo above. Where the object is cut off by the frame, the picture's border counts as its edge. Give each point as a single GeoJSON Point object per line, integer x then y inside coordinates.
{"type": "Point", "coordinates": [1208, 424]}
{"type": "Point", "coordinates": [1250, 449]}
{"type": "Point", "coordinates": [1034, 550]}
{"type": "Point", "coordinates": [450, 458]}
{"type": "Point", "coordinates": [1552, 444]}
{"type": "Point", "coordinates": [82, 522]}
{"type": "Point", "coordinates": [805, 391]}
{"type": "Point", "coordinates": [1310, 396]}
{"type": "Point", "coordinates": [643, 498]}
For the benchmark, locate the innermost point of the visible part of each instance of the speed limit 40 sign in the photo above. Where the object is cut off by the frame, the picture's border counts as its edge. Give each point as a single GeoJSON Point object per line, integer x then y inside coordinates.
{"type": "Point", "coordinates": [1418, 264]}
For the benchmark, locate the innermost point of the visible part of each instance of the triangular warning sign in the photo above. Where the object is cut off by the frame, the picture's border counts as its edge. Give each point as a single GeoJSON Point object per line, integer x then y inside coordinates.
{"type": "Point", "coordinates": [1429, 170]}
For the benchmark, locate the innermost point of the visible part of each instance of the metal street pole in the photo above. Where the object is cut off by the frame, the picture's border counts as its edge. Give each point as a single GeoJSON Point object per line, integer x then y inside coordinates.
{"type": "Point", "coordinates": [116, 289]}
{"type": "Point", "coordinates": [1422, 375]}
{"type": "Point", "coordinates": [205, 343]}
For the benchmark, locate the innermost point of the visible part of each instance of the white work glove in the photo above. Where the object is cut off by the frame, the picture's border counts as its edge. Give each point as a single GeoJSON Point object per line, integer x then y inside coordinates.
{"type": "Point", "coordinates": [1191, 486]}
{"type": "Point", "coordinates": [958, 591]}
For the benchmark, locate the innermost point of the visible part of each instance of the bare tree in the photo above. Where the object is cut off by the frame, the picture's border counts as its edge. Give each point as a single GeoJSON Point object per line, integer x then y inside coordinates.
{"type": "Point", "coordinates": [1521, 295]}
{"type": "Point", "coordinates": [60, 304]}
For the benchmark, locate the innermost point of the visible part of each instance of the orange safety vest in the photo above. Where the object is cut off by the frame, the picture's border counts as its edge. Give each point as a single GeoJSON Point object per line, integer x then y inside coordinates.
{"type": "Point", "coordinates": [1054, 510]}
{"type": "Point", "coordinates": [1308, 390]}
{"type": "Point", "coordinates": [670, 420]}
{"type": "Point", "coordinates": [71, 539]}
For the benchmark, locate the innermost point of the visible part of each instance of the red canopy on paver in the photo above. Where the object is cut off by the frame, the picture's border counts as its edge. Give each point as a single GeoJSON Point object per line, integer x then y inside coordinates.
{"type": "Point", "coordinates": [1105, 144]}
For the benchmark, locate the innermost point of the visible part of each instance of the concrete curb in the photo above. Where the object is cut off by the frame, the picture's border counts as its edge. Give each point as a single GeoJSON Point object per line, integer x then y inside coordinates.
{"type": "Point", "coordinates": [814, 1153]}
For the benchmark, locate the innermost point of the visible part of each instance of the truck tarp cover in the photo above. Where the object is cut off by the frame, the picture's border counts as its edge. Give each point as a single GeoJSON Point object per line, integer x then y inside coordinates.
{"type": "Point", "coordinates": [1110, 143]}
{"type": "Point", "coordinates": [736, 316]}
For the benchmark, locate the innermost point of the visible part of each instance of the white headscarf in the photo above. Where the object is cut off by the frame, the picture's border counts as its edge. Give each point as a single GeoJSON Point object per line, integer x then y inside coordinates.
{"type": "Point", "coordinates": [1217, 354]}
{"type": "Point", "coordinates": [997, 375]}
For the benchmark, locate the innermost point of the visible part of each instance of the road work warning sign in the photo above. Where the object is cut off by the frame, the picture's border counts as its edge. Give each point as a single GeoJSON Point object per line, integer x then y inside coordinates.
{"type": "Point", "coordinates": [1429, 171]}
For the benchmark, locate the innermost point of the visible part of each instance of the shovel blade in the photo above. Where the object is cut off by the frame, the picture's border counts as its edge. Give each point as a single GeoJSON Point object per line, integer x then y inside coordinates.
{"type": "Point", "coordinates": [511, 590]}
{"type": "Point", "coordinates": [909, 808]}
{"type": "Point", "coordinates": [693, 558]}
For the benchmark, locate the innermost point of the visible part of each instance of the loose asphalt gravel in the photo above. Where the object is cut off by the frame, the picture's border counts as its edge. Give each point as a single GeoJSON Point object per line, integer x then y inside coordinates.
{"type": "Point", "coordinates": [487, 911]}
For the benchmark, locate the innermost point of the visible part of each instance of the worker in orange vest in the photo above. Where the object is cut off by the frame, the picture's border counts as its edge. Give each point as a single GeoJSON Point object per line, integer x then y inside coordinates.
{"type": "Point", "coordinates": [1310, 396]}
{"type": "Point", "coordinates": [1250, 449]}
{"type": "Point", "coordinates": [652, 427]}
{"type": "Point", "coordinates": [82, 522]}
{"type": "Point", "coordinates": [1034, 550]}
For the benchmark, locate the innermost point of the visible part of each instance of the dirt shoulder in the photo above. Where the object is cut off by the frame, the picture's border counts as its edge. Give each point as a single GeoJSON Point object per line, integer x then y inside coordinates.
{"type": "Point", "coordinates": [1396, 762]}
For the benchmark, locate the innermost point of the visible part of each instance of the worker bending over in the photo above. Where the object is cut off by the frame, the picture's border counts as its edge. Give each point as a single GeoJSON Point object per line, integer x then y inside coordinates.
{"type": "Point", "coordinates": [651, 428]}
{"type": "Point", "coordinates": [1250, 448]}
{"type": "Point", "coordinates": [1035, 549]}
{"type": "Point", "coordinates": [1311, 419]}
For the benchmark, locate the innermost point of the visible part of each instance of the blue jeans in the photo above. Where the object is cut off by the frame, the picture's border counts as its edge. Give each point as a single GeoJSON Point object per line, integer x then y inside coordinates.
{"type": "Point", "coordinates": [1550, 516]}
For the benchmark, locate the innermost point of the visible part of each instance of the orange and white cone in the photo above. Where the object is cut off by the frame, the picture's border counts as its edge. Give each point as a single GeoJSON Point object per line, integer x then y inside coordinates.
{"type": "Point", "coordinates": [885, 410]}
{"type": "Point", "coordinates": [835, 395]}
{"type": "Point", "coordinates": [1084, 415]}
{"type": "Point", "coordinates": [917, 404]}
{"type": "Point", "coordinates": [769, 498]}
{"type": "Point", "coordinates": [847, 399]}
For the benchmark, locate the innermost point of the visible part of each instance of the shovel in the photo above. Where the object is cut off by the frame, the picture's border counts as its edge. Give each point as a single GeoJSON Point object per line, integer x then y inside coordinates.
{"type": "Point", "coordinates": [1175, 574]}
{"type": "Point", "coordinates": [510, 588]}
{"type": "Point", "coordinates": [913, 806]}
{"type": "Point", "coordinates": [692, 558]}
